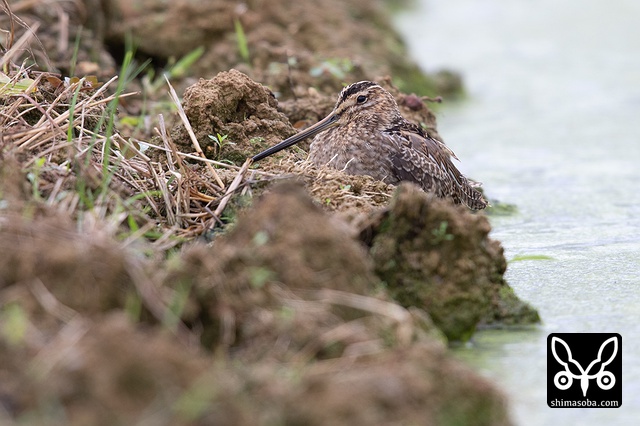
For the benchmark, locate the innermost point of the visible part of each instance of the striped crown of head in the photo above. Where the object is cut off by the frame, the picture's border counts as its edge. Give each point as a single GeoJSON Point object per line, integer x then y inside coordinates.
{"type": "Point", "coordinates": [354, 88]}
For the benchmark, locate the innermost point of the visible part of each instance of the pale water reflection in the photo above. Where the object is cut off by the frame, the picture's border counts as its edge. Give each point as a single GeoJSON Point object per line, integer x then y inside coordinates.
{"type": "Point", "coordinates": [552, 124]}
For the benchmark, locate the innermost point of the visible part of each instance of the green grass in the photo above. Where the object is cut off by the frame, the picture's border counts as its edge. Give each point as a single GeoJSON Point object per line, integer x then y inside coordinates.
{"type": "Point", "coordinates": [440, 234]}
{"type": "Point", "coordinates": [241, 40]}
{"type": "Point", "coordinates": [522, 257]}
{"type": "Point", "coordinates": [152, 83]}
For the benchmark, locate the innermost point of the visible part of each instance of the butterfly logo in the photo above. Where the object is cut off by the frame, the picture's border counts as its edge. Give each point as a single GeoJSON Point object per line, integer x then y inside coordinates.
{"type": "Point", "coordinates": [564, 379]}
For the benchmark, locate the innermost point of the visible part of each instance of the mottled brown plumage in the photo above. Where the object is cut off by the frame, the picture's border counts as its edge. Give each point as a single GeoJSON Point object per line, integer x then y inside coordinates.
{"type": "Point", "coordinates": [365, 134]}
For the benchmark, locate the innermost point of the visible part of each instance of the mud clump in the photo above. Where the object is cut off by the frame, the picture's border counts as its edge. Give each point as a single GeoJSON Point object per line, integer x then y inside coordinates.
{"type": "Point", "coordinates": [117, 372]}
{"type": "Point", "coordinates": [114, 371]}
{"type": "Point", "coordinates": [437, 256]}
{"type": "Point", "coordinates": [287, 287]}
{"type": "Point", "coordinates": [301, 246]}
{"type": "Point", "coordinates": [263, 281]}
{"type": "Point", "coordinates": [290, 283]}
{"type": "Point", "coordinates": [87, 274]}
{"type": "Point", "coordinates": [289, 45]}
{"type": "Point", "coordinates": [412, 386]}
{"type": "Point", "coordinates": [232, 116]}
{"type": "Point", "coordinates": [334, 190]}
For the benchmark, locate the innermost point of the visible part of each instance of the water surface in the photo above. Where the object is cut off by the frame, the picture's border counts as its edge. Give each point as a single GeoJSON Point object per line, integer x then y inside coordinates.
{"type": "Point", "coordinates": [551, 123]}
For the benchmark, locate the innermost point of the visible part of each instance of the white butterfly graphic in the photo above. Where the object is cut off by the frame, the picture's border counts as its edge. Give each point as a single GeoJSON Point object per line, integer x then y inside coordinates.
{"type": "Point", "coordinates": [564, 379]}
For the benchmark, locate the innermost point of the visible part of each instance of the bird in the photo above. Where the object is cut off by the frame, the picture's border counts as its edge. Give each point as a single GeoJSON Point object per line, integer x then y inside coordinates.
{"type": "Point", "coordinates": [366, 134]}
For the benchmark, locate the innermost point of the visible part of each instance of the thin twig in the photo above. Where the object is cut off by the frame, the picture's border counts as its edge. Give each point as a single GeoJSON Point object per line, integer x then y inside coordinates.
{"type": "Point", "coordinates": [234, 185]}
{"type": "Point", "coordinates": [187, 125]}
{"type": "Point", "coordinates": [49, 302]}
{"type": "Point", "coordinates": [17, 48]}
{"type": "Point", "coordinates": [392, 310]}
{"type": "Point", "coordinates": [192, 157]}
{"type": "Point", "coordinates": [151, 295]}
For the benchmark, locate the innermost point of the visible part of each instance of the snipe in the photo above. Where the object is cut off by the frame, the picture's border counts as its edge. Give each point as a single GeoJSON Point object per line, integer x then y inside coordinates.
{"type": "Point", "coordinates": [365, 134]}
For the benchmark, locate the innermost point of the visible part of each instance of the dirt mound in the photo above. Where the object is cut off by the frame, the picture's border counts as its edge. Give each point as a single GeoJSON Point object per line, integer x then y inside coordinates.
{"type": "Point", "coordinates": [115, 373]}
{"type": "Point", "coordinates": [298, 244]}
{"type": "Point", "coordinates": [86, 273]}
{"type": "Point", "coordinates": [413, 386]}
{"type": "Point", "coordinates": [265, 280]}
{"type": "Point", "coordinates": [288, 45]}
{"type": "Point", "coordinates": [232, 115]}
{"type": "Point", "coordinates": [437, 256]}
{"type": "Point", "coordinates": [287, 301]}
{"type": "Point", "coordinates": [341, 192]}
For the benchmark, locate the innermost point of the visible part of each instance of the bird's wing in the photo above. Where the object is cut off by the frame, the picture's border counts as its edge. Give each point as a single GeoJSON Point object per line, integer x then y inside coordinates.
{"type": "Point", "coordinates": [427, 162]}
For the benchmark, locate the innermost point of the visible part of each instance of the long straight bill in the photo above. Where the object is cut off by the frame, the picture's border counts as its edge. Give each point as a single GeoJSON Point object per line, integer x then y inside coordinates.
{"type": "Point", "coordinates": [320, 126]}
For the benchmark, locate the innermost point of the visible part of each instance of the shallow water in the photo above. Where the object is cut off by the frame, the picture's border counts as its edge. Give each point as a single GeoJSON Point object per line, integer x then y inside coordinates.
{"type": "Point", "coordinates": [552, 124]}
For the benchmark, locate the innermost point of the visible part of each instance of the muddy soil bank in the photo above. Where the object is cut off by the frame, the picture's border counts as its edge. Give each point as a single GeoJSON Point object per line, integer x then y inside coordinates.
{"type": "Point", "coordinates": [323, 299]}
{"type": "Point", "coordinates": [267, 324]}
{"type": "Point", "coordinates": [289, 45]}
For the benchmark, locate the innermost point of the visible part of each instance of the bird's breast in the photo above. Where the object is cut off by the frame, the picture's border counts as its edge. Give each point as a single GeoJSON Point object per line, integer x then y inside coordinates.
{"type": "Point", "coordinates": [354, 153]}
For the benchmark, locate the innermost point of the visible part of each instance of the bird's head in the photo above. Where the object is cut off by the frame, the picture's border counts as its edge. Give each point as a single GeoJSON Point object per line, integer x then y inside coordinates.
{"type": "Point", "coordinates": [365, 102]}
{"type": "Point", "coordinates": [358, 103]}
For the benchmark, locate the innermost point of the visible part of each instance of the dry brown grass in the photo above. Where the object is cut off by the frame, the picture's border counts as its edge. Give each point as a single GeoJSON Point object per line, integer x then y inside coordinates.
{"type": "Point", "coordinates": [65, 138]}
{"type": "Point", "coordinates": [64, 135]}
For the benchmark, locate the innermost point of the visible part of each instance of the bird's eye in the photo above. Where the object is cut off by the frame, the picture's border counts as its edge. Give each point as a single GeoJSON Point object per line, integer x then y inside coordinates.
{"type": "Point", "coordinates": [361, 99]}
